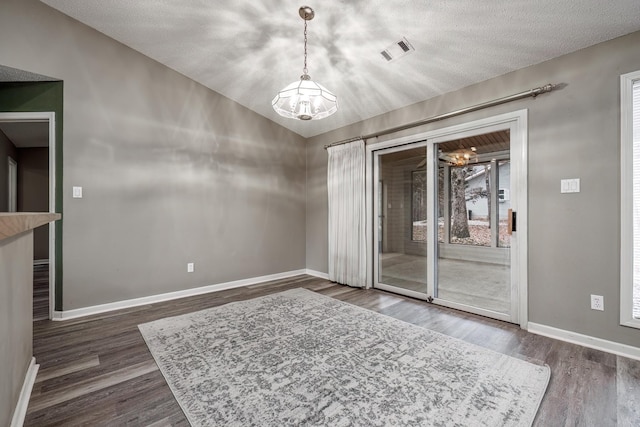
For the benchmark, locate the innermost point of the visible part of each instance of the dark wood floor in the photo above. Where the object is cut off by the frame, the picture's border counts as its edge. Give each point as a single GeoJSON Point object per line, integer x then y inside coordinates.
{"type": "Point", "coordinates": [98, 371]}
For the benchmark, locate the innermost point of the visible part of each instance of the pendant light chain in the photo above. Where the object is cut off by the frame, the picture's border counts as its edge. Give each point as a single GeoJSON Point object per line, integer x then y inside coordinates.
{"type": "Point", "coordinates": [305, 99]}
{"type": "Point", "coordinates": [305, 71]}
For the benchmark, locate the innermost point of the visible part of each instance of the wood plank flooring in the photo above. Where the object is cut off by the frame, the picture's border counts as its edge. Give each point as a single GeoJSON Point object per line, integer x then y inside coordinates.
{"type": "Point", "coordinates": [98, 371]}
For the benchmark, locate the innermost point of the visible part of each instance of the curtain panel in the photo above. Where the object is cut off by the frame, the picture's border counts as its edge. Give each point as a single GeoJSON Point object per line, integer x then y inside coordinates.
{"type": "Point", "coordinates": [346, 190]}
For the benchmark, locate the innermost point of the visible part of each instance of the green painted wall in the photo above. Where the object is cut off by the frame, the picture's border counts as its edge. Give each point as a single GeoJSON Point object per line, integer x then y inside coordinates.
{"type": "Point", "coordinates": [36, 97]}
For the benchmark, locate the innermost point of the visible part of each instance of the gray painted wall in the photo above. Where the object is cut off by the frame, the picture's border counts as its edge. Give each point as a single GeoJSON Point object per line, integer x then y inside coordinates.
{"type": "Point", "coordinates": [7, 149]}
{"type": "Point", "coordinates": [33, 193]}
{"type": "Point", "coordinates": [574, 250]}
{"type": "Point", "coordinates": [16, 326]}
{"type": "Point", "coordinates": [172, 172]}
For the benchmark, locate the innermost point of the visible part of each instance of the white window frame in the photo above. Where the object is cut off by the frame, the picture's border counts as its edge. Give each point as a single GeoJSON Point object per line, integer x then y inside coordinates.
{"type": "Point", "coordinates": [626, 199]}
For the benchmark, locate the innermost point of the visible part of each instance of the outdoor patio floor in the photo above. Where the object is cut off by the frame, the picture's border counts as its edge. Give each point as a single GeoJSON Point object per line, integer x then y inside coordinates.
{"type": "Point", "coordinates": [477, 284]}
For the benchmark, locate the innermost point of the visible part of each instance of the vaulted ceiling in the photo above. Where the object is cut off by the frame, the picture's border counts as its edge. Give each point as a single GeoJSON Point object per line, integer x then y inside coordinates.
{"type": "Point", "coordinates": [248, 51]}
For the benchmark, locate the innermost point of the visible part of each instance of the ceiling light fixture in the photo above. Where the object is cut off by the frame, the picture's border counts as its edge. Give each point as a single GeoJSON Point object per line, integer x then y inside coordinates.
{"type": "Point", "coordinates": [460, 157]}
{"type": "Point", "coordinates": [305, 99]}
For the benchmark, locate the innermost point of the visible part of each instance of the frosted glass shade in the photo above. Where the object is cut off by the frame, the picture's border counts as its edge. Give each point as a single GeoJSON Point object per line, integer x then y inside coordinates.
{"type": "Point", "coordinates": [305, 100]}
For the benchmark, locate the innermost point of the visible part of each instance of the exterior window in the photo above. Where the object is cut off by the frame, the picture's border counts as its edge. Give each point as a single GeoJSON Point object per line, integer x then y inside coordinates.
{"type": "Point", "coordinates": [470, 201]}
{"type": "Point", "coordinates": [419, 205]}
{"type": "Point", "coordinates": [477, 215]}
{"type": "Point", "coordinates": [503, 195]}
{"type": "Point", "coordinates": [630, 200]}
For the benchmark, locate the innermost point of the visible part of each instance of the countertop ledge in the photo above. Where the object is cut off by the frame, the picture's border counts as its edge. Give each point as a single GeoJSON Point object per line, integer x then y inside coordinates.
{"type": "Point", "coordinates": [12, 223]}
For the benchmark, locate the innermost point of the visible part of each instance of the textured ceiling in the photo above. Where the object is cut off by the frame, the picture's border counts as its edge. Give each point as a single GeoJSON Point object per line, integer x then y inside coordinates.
{"type": "Point", "coordinates": [247, 51]}
{"type": "Point", "coordinates": [26, 134]}
{"type": "Point", "coordinates": [8, 74]}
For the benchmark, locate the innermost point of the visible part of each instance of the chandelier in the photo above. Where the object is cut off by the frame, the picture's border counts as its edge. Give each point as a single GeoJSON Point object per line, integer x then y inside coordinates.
{"type": "Point", "coordinates": [305, 99]}
{"type": "Point", "coordinates": [460, 157]}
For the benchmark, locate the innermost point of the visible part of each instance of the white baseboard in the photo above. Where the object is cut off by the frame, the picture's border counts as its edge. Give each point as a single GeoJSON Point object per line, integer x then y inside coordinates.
{"type": "Point", "coordinates": [585, 340]}
{"type": "Point", "coordinates": [118, 305]}
{"type": "Point", "coordinates": [317, 274]}
{"type": "Point", "coordinates": [25, 394]}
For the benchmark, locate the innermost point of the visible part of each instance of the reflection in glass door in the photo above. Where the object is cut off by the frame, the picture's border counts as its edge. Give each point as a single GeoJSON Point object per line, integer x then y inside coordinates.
{"type": "Point", "coordinates": [473, 204]}
{"type": "Point", "coordinates": [402, 220]}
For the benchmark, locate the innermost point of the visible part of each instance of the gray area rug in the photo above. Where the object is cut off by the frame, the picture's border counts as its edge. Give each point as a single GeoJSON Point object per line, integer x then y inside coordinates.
{"type": "Point", "coordinates": [300, 358]}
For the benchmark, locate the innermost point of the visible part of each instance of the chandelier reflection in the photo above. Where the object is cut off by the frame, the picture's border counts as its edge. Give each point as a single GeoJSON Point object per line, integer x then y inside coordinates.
{"type": "Point", "coordinates": [460, 157]}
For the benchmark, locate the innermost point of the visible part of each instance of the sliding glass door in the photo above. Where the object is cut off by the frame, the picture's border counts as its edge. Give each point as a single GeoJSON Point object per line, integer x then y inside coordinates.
{"type": "Point", "coordinates": [473, 207]}
{"type": "Point", "coordinates": [401, 212]}
{"type": "Point", "coordinates": [444, 221]}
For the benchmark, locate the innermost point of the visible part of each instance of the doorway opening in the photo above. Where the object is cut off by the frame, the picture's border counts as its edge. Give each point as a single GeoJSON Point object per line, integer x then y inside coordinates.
{"type": "Point", "coordinates": [28, 141]}
{"type": "Point", "coordinates": [445, 229]}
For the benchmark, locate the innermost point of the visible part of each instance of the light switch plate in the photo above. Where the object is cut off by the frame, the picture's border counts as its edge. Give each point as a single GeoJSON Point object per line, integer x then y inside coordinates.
{"type": "Point", "coordinates": [570, 185]}
{"type": "Point", "coordinates": [77, 192]}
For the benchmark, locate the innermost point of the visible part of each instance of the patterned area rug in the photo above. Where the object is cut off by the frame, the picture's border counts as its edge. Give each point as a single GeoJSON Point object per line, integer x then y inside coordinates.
{"type": "Point", "coordinates": [300, 358]}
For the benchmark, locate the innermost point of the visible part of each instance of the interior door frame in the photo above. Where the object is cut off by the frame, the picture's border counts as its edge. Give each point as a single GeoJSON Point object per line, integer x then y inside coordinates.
{"type": "Point", "coordinates": [13, 185]}
{"type": "Point", "coordinates": [44, 117]}
{"type": "Point", "coordinates": [517, 122]}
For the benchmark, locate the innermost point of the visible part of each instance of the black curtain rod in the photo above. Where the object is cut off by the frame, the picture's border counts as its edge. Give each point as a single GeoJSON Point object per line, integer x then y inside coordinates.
{"type": "Point", "coordinates": [528, 93]}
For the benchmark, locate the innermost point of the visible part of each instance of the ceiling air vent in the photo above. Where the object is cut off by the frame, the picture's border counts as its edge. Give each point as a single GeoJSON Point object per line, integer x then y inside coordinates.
{"type": "Point", "coordinates": [404, 46]}
{"type": "Point", "coordinates": [397, 50]}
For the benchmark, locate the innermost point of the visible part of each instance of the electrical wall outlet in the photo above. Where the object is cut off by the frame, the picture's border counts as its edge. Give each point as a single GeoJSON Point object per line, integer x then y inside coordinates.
{"type": "Point", "coordinates": [190, 267]}
{"type": "Point", "coordinates": [597, 302]}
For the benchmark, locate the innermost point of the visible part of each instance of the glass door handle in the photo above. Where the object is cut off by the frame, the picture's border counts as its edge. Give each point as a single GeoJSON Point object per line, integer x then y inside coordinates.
{"type": "Point", "coordinates": [511, 221]}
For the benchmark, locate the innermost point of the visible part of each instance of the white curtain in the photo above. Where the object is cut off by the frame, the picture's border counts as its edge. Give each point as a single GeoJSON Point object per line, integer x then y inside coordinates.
{"type": "Point", "coordinates": [346, 189]}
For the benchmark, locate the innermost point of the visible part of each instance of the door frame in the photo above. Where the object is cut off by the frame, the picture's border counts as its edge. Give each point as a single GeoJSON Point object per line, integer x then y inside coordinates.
{"type": "Point", "coordinates": [12, 205]}
{"type": "Point", "coordinates": [517, 121]}
{"type": "Point", "coordinates": [44, 117]}
{"type": "Point", "coordinates": [376, 174]}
